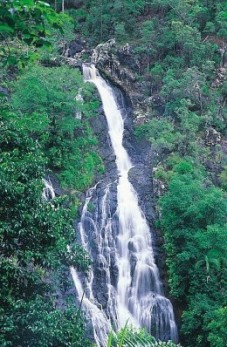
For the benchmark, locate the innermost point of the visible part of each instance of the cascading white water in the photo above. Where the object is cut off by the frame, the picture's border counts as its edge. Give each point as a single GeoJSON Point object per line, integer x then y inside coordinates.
{"type": "Point", "coordinates": [139, 297]}
{"type": "Point", "coordinates": [100, 324]}
{"type": "Point", "coordinates": [48, 192]}
{"type": "Point", "coordinates": [99, 321]}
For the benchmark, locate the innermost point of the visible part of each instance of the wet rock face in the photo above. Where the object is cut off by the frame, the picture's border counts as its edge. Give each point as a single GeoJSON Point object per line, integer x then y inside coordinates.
{"type": "Point", "coordinates": [118, 64]}
{"type": "Point", "coordinates": [51, 177]}
{"type": "Point", "coordinates": [100, 128]}
{"type": "Point", "coordinates": [140, 177]}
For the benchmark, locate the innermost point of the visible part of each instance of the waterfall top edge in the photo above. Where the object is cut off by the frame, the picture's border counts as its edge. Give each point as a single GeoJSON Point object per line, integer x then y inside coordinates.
{"type": "Point", "coordinates": [90, 72]}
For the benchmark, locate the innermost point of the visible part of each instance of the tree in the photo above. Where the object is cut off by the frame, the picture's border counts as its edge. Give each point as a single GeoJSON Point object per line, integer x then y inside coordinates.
{"type": "Point", "coordinates": [33, 242]}
{"type": "Point", "coordinates": [194, 224]}
{"type": "Point", "coordinates": [50, 95]}
{"type": "Point", "coordinates": [218, 336]}
{"type": "Point", "coordinates": [34, 234]}
{"type": "Point", "coordinates": [24, 20]}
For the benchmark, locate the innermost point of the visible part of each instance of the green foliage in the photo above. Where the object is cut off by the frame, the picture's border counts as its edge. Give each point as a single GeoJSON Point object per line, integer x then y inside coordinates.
{"type": "Point", "coordinates": [24, 22]}
{"type": "Point", "coordinates": [40, 130]}
{"type": "Point", "coordinates": [38, 322]}
{"type": "Point", "coordinates": [120, 32]}
{"type": "Point", "coordinates": [179, 43]}
{"type": "Point", "coordinates": [168, 135]}
{"type": "Point", "coordinates": [218, 335]}
{"type": "Point", "coordinates": [58, 40]}
{"type": "Point", "coordinates": [162, 174]}
{"type": "Point", "coordinates": [33, 242]}
{"type": "Point", "coordinates": [50, 95]}
{"type": "Point", "coordinates": [129, 337]}
{"type": "Point", "coordinates": [25, 18]}
{"type": "Point", "coordinates": [160, 132]}
{"type": "Point", "coordinates": [105, 19]}
{"type": "Point", "coordinates": [194, 224]}
{"type": "Point", "coordinates": [223, 178]}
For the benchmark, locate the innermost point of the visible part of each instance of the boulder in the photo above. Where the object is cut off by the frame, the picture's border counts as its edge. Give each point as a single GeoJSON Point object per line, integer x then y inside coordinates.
{"type": "Point", "coordinates": [212, 137]}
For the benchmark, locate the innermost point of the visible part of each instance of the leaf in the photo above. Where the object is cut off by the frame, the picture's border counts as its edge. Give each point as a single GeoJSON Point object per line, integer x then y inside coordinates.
{"type": "Point", "coordinates": [110, 338]}
{"type": "Point", "coordinates": [5, 28]}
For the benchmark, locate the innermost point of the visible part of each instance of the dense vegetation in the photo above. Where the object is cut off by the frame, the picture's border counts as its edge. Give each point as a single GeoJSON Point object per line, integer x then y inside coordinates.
{"type": "Point", "coordinates": [45, 112]}
{"type": "Point", "coordinates": [44, 126]}
{"type": "Point", "coordinates": [194, 223]}
{"type": "Point", "coordinates": [54, 100]}
{"type": "Point", "coordinates": [181, 46]}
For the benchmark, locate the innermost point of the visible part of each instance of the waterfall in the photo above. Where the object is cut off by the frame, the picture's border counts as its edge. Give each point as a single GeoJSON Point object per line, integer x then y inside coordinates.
{"type": "Point", "coordinates": [100, 324]}
{"type": "Point", "coordinates": [99, 321]}
{"type": "Point", "coordinates": [123, 283]}
{"type": "Point", "coordinates": [48, 191]}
